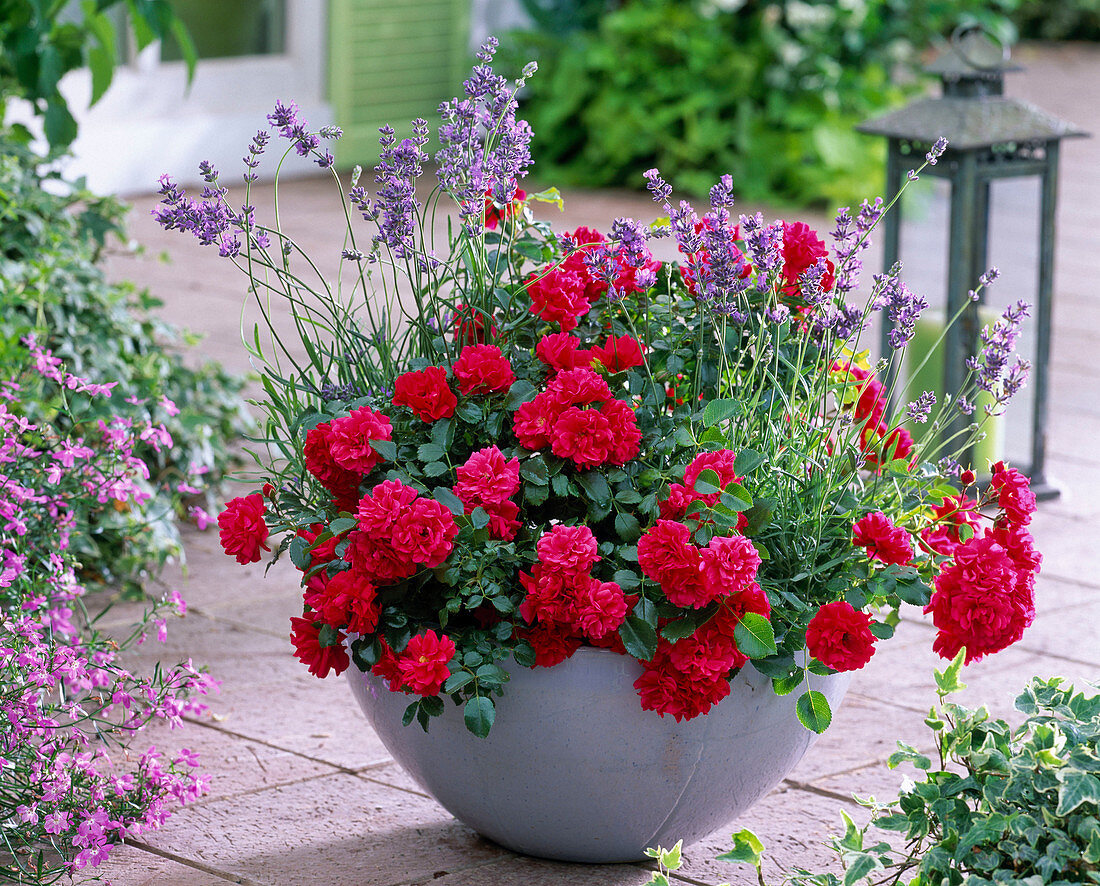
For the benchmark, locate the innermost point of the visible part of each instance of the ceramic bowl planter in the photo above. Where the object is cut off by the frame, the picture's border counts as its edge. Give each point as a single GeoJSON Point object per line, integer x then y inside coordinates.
{"type": "Point", "coordinates": [575, 770]}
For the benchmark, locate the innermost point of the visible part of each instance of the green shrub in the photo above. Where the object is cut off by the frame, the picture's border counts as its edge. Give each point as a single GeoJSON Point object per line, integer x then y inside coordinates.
{"type": "Point", "coordinates": [767, 90]}
{"type": "Point", "coordinates": [1058, 19]}
{"type": "Point", "coordinates": [51, 237]}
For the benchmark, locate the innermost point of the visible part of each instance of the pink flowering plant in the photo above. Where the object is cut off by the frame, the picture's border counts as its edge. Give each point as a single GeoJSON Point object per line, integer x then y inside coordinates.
{"type": "Point", "coordinates": [71, 696]}
{"type": "Point", "coordinates": [505, 443]}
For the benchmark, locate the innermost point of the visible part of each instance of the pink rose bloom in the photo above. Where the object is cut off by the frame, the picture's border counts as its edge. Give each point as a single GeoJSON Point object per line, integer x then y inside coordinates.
{"type": "Point", "coordinates": [351, 438]}
{"type": "Point", "coordinates": [423, 665]}
{"type": "Point", "coordinates": [883, 540]}
{"type": "Point", "coordinates": [840, 637]}
{"type": "Point", "coordinates": [487, 478]}
{"type": "Point", "coordinates": [583, 435]}
{"type": "Point", "coordinates": [482, 369]}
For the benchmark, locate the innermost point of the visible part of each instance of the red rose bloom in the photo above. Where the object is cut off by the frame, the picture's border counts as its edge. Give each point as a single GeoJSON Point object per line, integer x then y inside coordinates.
{"type": "Point", "coordinates": [533, 422]}
{"type": "Point", "coordinates": [386, 667]}
{"type": "Point", "coordinates": [560, 350]}
{"type": "Point", "coordinates": [721, 462]}
{"type": "Point", "coordinates": [380, 508]}
{"type": "Point", "coordinates": [666, 555]}
{"type": "Point", "coordinates": [582, 435]}
{"type": "Point", "coordinates": [559, 297]}
{"type": "Point", "coordinates": [1014, 494]}
{"type": "Point", "coordinates": [569, 549]}
{"type": "Point", "coordinates": [625, 434]}
{"type": "Point", "coordinates": [426, 393]}
{"type": "Point", "coordinates": [943, 536]}
{"type": "Point", "coordinates": [342, 483]}
{"type": "Point", "coordinates": [242, 530]}
{"type": "Point", "coordinates": [553, 642]}
{"type": "Point", "coordinates": [883, 540]}
{"type": "Point", "coordinates": [503, 522]}
{"type": "Point", "coordinates": [495, 214]}
{"type": "Point", "coordinates": [576, 387]}
{"type": "Point", "coordinates": [425, 533]}
{"type": "Point", "coordinates": [469, 326]}
{"type": "Point", "coordinates": [305, 635]}
{"type": "Point", "coordinates": [871, 403]}
{"type": "Point", "coordinates": [482, 369]}
{"type": "Point", "coordinates": [549, 593]}
{"type": "Point", "coordinates": [729, 565]}
{"type": "Point", "coordinates": [619, 354]}
{"type": "Point", "coordinates": [667, 690]}
{"type": "Point", "coordinates": [351, 437]}
{"type": "Point", "coordinates": [881, 445]}
{"type": "Point", "coordinates": [600, 609]}
{"type": "Point", "coordinates": [801, 250]}
{"type": "Point", "coordinates": [487, 478]}
{"type": "Point", "coordinates": [586, 239]}
{"type": "Point", "coordinates": [347, 600]}
{"type": "Point", "coordinates": [982, 601]}
{"type": "Point", "coordinates": [840, 637]}
{"type": "Point", "coordinates": [423, 664]}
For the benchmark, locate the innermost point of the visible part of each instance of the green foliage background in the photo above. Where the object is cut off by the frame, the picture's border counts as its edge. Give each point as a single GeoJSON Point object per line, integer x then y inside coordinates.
{"type": "Point", "coordinates": [51, 239]}
{"type": "Point", "coordinates": [767, 90]}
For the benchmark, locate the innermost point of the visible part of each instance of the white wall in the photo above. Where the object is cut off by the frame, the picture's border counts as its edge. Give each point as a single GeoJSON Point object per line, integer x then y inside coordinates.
{"type": "Point", "coordinates": [148, 122]}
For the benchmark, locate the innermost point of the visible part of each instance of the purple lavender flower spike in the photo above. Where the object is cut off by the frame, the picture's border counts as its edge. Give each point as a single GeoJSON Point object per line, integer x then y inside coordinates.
{"type": "Point", "coordinates": [998, 342]}
{"type": "Point", "coordinates": [721, 194]}
{"type": "Point", "coordinates": [395, 204]}
{"type": "Point", "coordinates": [284, 117]}
{"type": "Point", "coordinates": [920, 409]}
{"type": "Point", "coordinates": [658, 187]}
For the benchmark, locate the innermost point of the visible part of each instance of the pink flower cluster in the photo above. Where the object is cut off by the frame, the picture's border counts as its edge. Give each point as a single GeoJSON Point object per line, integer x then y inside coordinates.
{"type": "Point", "coordinates": [565, 604]}
{"type": "Point", "coordinates": [488, 481]}
{"type": "Point", "coordinates": [578, 418]}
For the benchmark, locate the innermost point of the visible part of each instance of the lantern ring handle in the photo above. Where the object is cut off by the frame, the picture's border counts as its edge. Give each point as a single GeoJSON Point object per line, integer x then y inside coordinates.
{"type": "Point", "coordinates": [963, 30]}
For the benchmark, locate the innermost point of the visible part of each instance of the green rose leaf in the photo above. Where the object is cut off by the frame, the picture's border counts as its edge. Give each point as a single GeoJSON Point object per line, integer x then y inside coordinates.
{"type": "Point", "coordinates": [708, 482]}
{"type": "Point", "coordinates": [595, 484]}
{"type": "Point", "coordinates": [522, 391]}
{"type": "Point", "coordinates": [479, 714]}
{"type": "Point", "coordinates": [813, 711]}
{"type": "Point", "coordinates": [754, 635]}
{"type": "Point", "coordinates": [299, 553]}
{"type": "Point", "coordinates": [449, 500]}
{"type": "Point", "coordinates": [748, 460]}
{"type": "Point", "coordinates": [457, 681]}
{"type": "Point", "coordinates": [627, 526]}
{"type": "Point", "coordinates": [719, 411]}
{"type": "Point", "coordinates": [639, 638]}
{"type": "Point", "coordinates": [534, 470]}
{"type": "Point", "coordinates": [385, 448]}
{"type": "Point", "coordinates": [328, 636]}
{"type": "Point", "coordinates": [427, 452]}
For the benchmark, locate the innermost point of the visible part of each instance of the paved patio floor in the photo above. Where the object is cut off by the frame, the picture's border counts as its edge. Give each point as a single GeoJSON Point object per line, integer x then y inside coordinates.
{"type": "Point", "coordinates": [302, 792]}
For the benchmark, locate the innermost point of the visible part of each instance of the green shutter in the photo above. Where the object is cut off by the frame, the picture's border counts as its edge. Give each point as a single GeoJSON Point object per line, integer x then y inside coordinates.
{"type": "Point", "coordinates": [391, 61]}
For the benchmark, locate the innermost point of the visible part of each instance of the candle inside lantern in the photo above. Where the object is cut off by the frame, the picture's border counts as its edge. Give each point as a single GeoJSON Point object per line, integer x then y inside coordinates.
{"type": "Point", "coordinates": [929, 377]}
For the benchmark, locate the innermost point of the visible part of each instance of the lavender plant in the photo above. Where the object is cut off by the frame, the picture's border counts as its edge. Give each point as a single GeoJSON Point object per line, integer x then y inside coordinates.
{"type": "Point", "coordinates": [70, 704]}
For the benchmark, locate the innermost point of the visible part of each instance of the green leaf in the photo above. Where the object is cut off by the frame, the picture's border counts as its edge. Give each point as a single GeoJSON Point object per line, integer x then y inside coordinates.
{"type": "Point", "coordinates": [639, 638]}
{"type": "Point", "coordinates": [449, 500]}
{"type": "Point", "coordinates": [535, 470]}
{"type": "Point", "coordinates": [1077, 787]}
{"type": "Point", "coordinates": [410, 713]}
{"type": "Point", "coordinates": [736, 497]}
{"type": "Point", "coordinates": [719, 410]}
{"type": "Point", "coordinates": [427, 452]}
{"type": "Point", "coordinates": [299, 553]}
{"type": "Point", "coordinates": [342, 524]}
{"type": "Point", "coordinates": [58, 124]}
{"type": "Point", "coordinates": [536, 495]}
{"type": "Point", "coordinates": [436, 469]}
{"type": "Point", "coordinates": [813, 711]}
{"type": "Point", "coordinates": [328, 636]}
{"type": "Point", "coordinates": [748, 460]}
{"type": "Point", "coordinates": [708, 482]}
{"type": "Point", "coordinates": [759, 515]}
{"type": "Point", "coordinates": [671, 858]}
{"type": "Point", "coordinates": [912, 590]}
{"type": "Point", "coordinates": [457, 681]}
{"type": "Point", "coordinates": [755, 636]}
{"type": "Point", "coordinates": [747, 849]}
{"type": "Point", "coordinates": [101, 62]}
{"type": "Point", "coordinates": [385, 448]}
{"type": "Point", "coordinates": [522, 391]}
{"type": "Point", "coordinates": [595, 484]}
{"type": "Point", "coordinates": [626, 579]}
{"type": "Point", "coordinates": [860, 866]}
{"type": "Point", "coordinates": [882, 630]}
{"type": "Point", "coordinates": [479, 714]}
{"type": "Point", "coordinates": [627, 526]}
{"type": "Point", "coordinates": [947, 680]}
{"type": "Point", "coordinates": [479, 518]}
{"type": "Point", "coordinates": [788, 684]}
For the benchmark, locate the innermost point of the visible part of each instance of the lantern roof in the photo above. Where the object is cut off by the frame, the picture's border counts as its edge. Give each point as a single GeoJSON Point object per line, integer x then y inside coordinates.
{"type": "Point", "coordinates": [970, 123]}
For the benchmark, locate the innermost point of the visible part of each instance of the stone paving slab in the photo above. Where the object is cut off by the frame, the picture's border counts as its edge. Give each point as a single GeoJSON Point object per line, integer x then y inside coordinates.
{"type": "Point", "coordinates": [302, 792]}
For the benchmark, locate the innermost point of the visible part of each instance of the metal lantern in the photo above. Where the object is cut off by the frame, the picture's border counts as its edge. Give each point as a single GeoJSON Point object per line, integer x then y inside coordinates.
{"type": "Point", "coordinates": [990, 136]}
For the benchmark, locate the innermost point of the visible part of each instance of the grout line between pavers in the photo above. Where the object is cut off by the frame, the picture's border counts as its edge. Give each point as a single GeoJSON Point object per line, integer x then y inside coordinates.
{"type": "Point", "coordinates": [395, 787]}
{"type": "Point", "coordinates": [347, 770]}
{"type": "Point", "coordinates": [192, 863]}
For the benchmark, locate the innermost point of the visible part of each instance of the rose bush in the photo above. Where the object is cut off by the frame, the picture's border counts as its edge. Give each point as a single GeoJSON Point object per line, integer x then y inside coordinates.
{"type": "Point", "coordinates": [565, 442]}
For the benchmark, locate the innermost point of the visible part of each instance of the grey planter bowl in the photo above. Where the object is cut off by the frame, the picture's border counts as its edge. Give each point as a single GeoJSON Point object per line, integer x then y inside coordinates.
{"type": "Point", "coordinates": [575, 770]}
